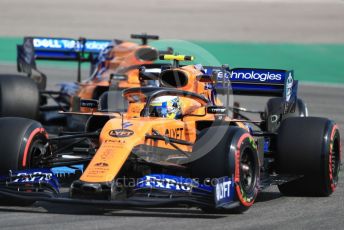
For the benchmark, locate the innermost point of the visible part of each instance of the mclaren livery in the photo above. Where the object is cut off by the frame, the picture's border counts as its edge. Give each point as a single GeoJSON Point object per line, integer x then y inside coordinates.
{"type": "Point", "coordinates": [113, 66]}
{"type": "Point", "coordinates": [178, 144]}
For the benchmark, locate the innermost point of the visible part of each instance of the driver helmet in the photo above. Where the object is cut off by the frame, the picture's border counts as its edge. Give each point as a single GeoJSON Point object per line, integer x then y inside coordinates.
{"type": "Point", "coordinates": [166, 106]}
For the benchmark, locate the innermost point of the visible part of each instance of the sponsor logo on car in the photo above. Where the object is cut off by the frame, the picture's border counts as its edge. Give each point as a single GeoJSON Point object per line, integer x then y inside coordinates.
{"type": "Point", "coordinates": [89, 103]}
{"type": "Point", "coordinates": [216, 110]}
{"type": "Point", "coordinates": [121, 133]}
{"type": "Point", "coordinates": [101, 164]}
{"type": "Point", "coordinates": [248, 75]}
{"type": "Point", "coordinates": [253, 75]}
{"type": "Point", "coordinates": [115, 141]}
{"type": "Point", "coordinates": [32, 176]}
{"type": "Point", "coordinates": [166, 182]}
{"type": "Point", "coordinates": [70, 44]}
{"type": "Point", "coordinates": [224, 192]}
{"type": "Point", "coordinates": [176, 133]}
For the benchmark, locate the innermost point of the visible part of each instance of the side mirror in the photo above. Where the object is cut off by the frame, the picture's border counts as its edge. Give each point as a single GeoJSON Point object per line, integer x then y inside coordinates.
{"type": "Point", "coordinates": [221, 110]}
{"type": "Point", "coordinates": [168, 51]}
{"type": "Point", "coordinates": [118, 77]}
{"type": "Point", "coordinates": [205, 78]}
{"type": "Point", "coordinates": [89, 103]}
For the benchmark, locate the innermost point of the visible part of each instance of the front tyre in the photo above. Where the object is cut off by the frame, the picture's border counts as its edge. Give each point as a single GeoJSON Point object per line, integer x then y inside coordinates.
{"type": "Point", "coordinates": [23, 142]}
{"type": "Point", "coordinates": [235, 156]}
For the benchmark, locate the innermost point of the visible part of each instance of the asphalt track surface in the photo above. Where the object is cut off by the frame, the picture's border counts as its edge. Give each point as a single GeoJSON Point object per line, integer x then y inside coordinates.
{"type": "Point", "coordinates": [271, 210]}
{"type": "Point", "coordinates": [265, 21]}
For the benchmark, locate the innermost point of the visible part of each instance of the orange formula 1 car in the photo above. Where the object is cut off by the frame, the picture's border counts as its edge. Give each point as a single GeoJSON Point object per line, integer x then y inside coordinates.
{"type": "Point", "coordinates": [177, 145]}
{"type": "Point", "coordinates": [113, 64]}
{"type": "Point", "coordinates": [117, 66]}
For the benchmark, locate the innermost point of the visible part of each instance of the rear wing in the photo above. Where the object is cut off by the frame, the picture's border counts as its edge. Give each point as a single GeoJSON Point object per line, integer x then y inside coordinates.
{"type": "Point", "coordinates": [240, 81]}
{"type": "Point", "coordinates": [258, 82]}
{"type": "Point", "coordinates": [57, 49]}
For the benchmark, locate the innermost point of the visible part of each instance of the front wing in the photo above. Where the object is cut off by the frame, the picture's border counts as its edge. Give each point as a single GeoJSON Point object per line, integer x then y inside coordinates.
{"type": "Point", "coordinates": [154, 190]}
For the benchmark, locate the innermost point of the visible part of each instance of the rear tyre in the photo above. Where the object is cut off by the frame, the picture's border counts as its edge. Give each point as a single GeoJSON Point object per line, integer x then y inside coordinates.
{"type": "Point", "coordinates": [19, 97]}
{"type": "Point", "coordinates": [234, 155]}
{"type": "Point", "coordinates": [22, 143]}
{"type": "Point", "coordinates": [309, 147]}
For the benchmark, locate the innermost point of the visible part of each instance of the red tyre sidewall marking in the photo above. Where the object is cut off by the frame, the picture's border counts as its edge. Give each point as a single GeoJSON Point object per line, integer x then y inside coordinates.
{"type": "Point", "coordinates": [237, 171]}
{"type": "Point", "coordinates": [27, 146]}
{"type": "Point", "coordinates": [333, 132]}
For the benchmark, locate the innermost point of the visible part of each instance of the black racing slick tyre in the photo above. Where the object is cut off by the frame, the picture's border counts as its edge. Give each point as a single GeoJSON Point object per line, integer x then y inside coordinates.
{"type": "Point", "coordinates": [309, 147]}
{"type": "Point", "coordinates": [22, 143]}
{"type": "Point", "coordinates": [232, 153]}
{"type": "Point", "coordinates": [19, 97]}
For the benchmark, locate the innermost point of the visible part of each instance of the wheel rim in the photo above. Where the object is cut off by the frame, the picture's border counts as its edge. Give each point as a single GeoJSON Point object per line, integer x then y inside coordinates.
{"type": "Point", "coordinates": [38, 150]}
{"type": "Point", "coordinates": [247, 170]}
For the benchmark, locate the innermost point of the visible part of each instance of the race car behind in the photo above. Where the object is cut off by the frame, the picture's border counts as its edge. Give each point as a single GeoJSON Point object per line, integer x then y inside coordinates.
{"type": "Point", "coordinates": [113, 66]}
